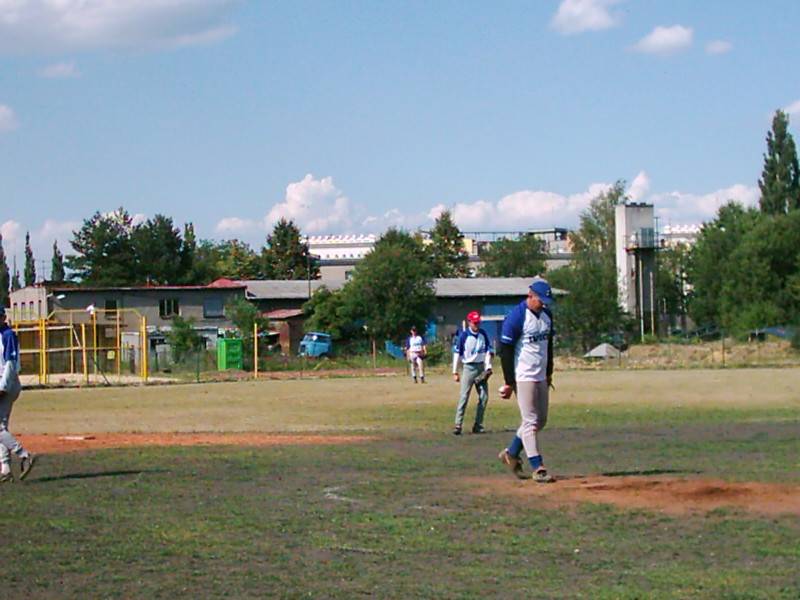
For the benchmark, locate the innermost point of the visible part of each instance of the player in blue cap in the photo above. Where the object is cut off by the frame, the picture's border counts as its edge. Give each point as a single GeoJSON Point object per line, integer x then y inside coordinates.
{"type": "Point", "coordinates": [9, 391]}
{"type": "Point", "coordinates": [526, 353]}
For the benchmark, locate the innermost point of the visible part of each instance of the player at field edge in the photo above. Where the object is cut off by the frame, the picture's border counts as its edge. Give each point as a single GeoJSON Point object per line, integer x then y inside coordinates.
{"type": "Point", "coordinates": [474, 351]}
{"type": "Point", "coordinates": [526, 354]}
{"type": "Point", "coordinates": [416, 349]}
{"type": "Point", "coordinates": [10, 388]}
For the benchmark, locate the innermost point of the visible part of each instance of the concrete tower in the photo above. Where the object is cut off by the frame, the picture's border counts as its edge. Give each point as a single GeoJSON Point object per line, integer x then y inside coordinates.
{"type": "Point", "coordinates": [636, 262]}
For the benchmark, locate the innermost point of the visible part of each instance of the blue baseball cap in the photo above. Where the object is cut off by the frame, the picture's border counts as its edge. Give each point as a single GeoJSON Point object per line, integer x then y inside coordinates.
{"type": "Point", "coordinates": [542, 289]}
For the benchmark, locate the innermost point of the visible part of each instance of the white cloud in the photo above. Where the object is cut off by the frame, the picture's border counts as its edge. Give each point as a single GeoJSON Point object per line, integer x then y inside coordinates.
{"type": "Point", "coordinates": [59, 25]}
{"type": "Point", "coordinates": [639, 186]}
{"type": "Point", "coordinates": [62, 70]}
{"type": "Point", "coordinates": [793, 110]}
{"type": "Point", "coordinates": [11, 233]}
{"type": "Point", "coordinates": [315, 205]}
{"type": "Point", "coordinates": [718, 47]}
{"type": "Point", "coordinates": [576, 16]}
{"type": "Point", "coordinates": [235, 225]}
{"type": "Point", "coordinates": [8, 120]}
{"type": "Point", "coordinates": [680, 208]}
{"type": "Point", "coordinates": [665, 40]}
{"type": "Point", "coordinates": [53, 230]}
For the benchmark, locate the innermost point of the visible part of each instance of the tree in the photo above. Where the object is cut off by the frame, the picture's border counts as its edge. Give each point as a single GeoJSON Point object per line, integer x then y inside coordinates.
{"type": "Point", "coordinates": [188, 257]}
{"type": "Point", "coordinates": [670, 279]}
{"type": "Point", "coordinates": [183, 338]}
{"type": "Point", "coordinates": [286, 256]}
{"type": "Point", "coordinates": [245, 317]}
{"type": "Point", "coordinates": [236, 260]}
{"type": "Point", "coordinates": [709, 265]}
{"type": "Point", "coordinates": [30, 263]}
{"type": "Point", "coordinates": [104, 251]}
{"type": "Point", "coordinates": [157, 247]}
{"type": "Point", "coordinates": [523, 257]}
{"type": "Point", "coordinates": [448, 257]}
{"type": "Point", "coordinates": [759, 288]}
{"type": "Point", "coordinates": [57, 274]}
{"type": "Point", "coordinates": [332, 312]}
{"type": "Point", "coordinates": [392, 287]}
{"type": "Point", "coordinates": [591, 310]}
{"type": "Point", "coordinates": [780, 179]}
{"type": "Point", "coordinates": [5, 278]}
{"type": "Point", "coordinates": [15, 283]}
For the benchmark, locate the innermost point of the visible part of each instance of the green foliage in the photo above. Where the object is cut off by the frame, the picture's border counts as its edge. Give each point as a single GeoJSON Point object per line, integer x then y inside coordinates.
{"type": "Point", "coordinates": [103, 250]}
{"type": "Point", "coordinates": [332, 312]}
{"type": "Point", "coordinates": [57, 274]}
{"type": "Point", "coordinates": [30, 263]}
{"type": "Point", "coordinates": [710, 266]}
{"type": "Point", "coordinates": [15, 283]}
{"type": "Point", "coordinates": [591, 309]}
{"type": "Point", "coordinates": [244, 315]}
{"type": "Point", "coordinates": [780, 178]}
{"type": "Point", "coordinates": [183, 338]}
{"type": "Point", "coordinates": [286, 256]}
{"type": "Point", "coordinates": [671, 279]}
{"type": "Point", "coordinates": [5, 278]}
{"type": "Point", "coordinates": [523, 257]}
{"type": "Point", "coordinates": [157, 247]}
{"type": "Point", "coordinates": [392, 287]}
{"type": "Point", "coordinates": [796, 338]}
{"type": "Point", "coordinates": [448, 257]}
{"type": "Point", "coordinates": [233, 259]}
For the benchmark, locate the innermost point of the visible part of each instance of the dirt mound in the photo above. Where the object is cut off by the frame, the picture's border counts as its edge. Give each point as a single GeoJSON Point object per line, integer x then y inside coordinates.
{"type": "Point", "coordinates": [672, 495]}
{"type": "Point", "coordinates": [55, 444]}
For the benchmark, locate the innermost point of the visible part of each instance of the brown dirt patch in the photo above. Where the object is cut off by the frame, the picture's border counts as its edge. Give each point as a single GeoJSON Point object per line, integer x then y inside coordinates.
{"type": "Point", "coordinates": [672, 495]}
{"type": "Point", "coordinates": [57, 444]}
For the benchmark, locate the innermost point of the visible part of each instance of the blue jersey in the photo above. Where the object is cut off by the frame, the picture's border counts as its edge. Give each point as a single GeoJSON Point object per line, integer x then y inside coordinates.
{"type": "Point", "coordinates": [9, 357]}
{"type": "Point", "coordinates": [531, 335]}
{"type": "Point", "coordinates": [472, 347]}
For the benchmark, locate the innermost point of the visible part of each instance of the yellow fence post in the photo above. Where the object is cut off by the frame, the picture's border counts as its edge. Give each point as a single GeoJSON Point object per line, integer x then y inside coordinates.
{"type": "Point", "coordinates": [255, 349]}
{"type": "Point", "coordinates": [94, 339]}
{"type": "Point", "coordinates": [41, 353]}
{"type": "Point", "coordinates": [71, 346]}
{"type": "Point", "coordinates": [145, 352]}
{"type": "Point", "coordinates": [83, 351]}
{"type": "Point", "coordinates": [118, 350]}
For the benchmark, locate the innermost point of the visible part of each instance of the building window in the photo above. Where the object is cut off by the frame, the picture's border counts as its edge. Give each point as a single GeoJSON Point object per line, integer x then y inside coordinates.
{"type": "Point", "coordinates": [213, 308]}
{"type": "Point", "coordinates": [168, 307]}
{"type": "Point", "coordinates": [30, 310]}
{"type": "Point", "coordinates": [14, 315]}
{"type": "Point", "coordinates": [111, 309]}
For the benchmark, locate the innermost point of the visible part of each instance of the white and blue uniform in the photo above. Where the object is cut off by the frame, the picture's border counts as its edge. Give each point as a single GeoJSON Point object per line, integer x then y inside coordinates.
{"type": "Point", "coordinates": [9, 391]}
{"type": "Point", "coordinates": [474, 350]}
{"type": "Point", "coordinates": [415, 351]}
{"type": "Point", "coordinates": [530, 335]}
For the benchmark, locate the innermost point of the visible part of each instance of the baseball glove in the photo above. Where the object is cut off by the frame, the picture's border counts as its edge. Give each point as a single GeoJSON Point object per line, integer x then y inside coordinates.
{"type": "Point", "coordinates": [483, 376]}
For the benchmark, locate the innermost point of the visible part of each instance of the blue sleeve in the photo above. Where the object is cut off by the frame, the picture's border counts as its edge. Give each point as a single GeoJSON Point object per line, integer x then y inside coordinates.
{"type": "Point", "coordinates": [512, 325]}
{"type": "Point", "coordinates": [462, 338]}
{"type": "Point", "coordinates": [10, 346]}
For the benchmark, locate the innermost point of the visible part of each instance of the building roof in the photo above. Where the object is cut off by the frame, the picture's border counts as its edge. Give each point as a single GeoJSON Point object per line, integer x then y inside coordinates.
{"type": "Point", "coordinates": [445, 288]}
{"type": "Point", "coordinates": [283, 314]}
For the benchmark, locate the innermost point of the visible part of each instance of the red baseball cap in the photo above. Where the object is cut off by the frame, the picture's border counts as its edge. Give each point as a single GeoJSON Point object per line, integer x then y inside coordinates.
{"type": "Point", "coordinates": [474, 317]}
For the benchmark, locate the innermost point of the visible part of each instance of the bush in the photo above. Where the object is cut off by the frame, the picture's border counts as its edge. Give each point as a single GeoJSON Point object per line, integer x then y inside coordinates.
{"type": "Point", "coordinates": [796, 339]}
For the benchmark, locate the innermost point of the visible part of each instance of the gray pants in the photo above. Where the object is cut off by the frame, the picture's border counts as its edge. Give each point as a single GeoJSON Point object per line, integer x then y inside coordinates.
{"type": "Point", "coordinates": [8, 443]}
{"type": "Point", "coordinates": [468, 375]}
{"type": "Point", "coordinates": [533, 398]}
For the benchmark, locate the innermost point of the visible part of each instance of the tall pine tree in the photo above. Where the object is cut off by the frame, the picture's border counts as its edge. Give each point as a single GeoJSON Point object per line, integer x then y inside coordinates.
{"type": "Point", "coordinates": [57, 274]}
{"type": "Point", "coordinates": [780, 179]}
{"type": "Point", "coordinates": [448, 257]}
{"type": "Point", "coordinates": [286, 255]}
{"type": "Point", "coordinates": [15, 284]}
{"type": "Point", "coordinates": [30, 263]}
{"type": "Point", "coordinates": [5, 278]}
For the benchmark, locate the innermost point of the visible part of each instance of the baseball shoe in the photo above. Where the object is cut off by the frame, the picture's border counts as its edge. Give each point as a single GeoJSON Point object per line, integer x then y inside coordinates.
{"type": "Point", "coordinates": [478, 429]}
{"type": "Point", "coordinates": [415, 380]}
{"type": "Point", "coordinates": [6, 478]}
{"type": "Point", "coordinates": [25, 465]}
{"type": "Point", "coordinates": [512, 463]}
{"type": "Point", "coordinates": [542, 476]}
{"type": "Point", "coordinates": [457, 430]}
{"type": "Point", "coordinates": [423, 380]}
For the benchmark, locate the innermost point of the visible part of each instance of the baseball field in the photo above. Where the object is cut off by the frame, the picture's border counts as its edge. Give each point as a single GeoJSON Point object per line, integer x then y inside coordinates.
{"type": "Point", "coordinates": [671, 484]}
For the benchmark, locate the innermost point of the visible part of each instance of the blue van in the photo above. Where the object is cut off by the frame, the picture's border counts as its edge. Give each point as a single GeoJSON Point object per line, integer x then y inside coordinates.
{"type": "Point", "coordinates": [315, 344]}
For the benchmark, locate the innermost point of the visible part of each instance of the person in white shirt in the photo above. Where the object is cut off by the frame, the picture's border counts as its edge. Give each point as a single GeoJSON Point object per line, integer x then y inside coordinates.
{"type": "Point", "coordinates": [526, 352]}
{"type": "Point", "coordinates": [416, 349]}
{"type": "Point", "coordinates": [474, 351]}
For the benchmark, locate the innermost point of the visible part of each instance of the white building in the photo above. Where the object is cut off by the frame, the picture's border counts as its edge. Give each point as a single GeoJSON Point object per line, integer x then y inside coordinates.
{"type": "Point", "coordinates": [635, 251]}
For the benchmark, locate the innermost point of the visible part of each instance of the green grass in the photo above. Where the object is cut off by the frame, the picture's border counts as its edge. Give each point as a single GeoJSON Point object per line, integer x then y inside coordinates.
{"type": "Point", "coordinates": [396, 517]}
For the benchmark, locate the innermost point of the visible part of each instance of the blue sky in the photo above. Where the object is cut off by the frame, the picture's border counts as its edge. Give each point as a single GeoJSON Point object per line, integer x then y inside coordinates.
{"type": "Point", "coordinates": [352, 116]}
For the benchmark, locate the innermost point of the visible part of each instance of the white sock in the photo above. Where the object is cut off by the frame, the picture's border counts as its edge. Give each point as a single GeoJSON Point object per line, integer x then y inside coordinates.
{"type": "Point", "coordinates": [5, 469]}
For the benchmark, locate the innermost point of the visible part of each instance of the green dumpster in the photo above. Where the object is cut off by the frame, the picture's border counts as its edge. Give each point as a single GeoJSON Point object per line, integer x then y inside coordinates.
{"type": "Point", "coordinates": [229, 354]}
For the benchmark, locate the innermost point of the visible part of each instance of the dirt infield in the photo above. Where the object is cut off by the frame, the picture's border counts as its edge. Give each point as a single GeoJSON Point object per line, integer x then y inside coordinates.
{"type": "Point", "coordinates": [56, 444]}
{"type": "Point", "coordinates": [671, 495]}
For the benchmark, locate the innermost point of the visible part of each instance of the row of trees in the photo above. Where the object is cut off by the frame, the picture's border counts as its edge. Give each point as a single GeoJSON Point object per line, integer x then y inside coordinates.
{"type": "Point", "coordinates": [10, 281]}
